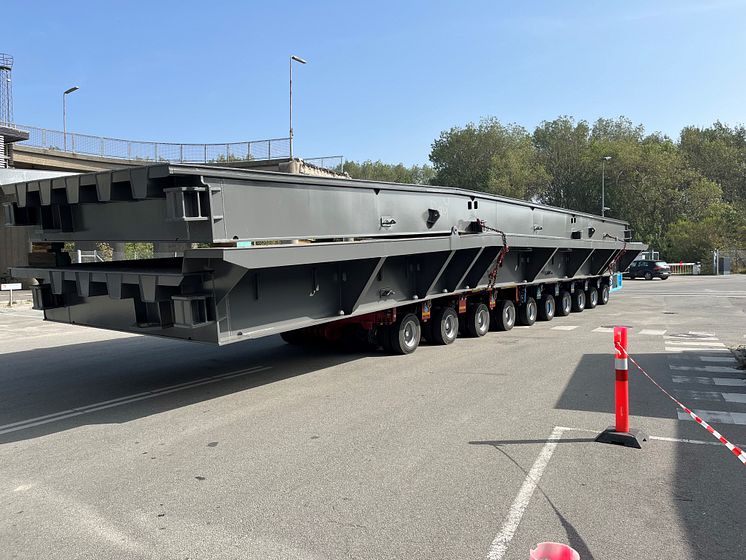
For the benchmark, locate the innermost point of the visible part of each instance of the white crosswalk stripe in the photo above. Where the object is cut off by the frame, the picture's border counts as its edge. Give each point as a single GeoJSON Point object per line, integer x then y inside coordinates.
{"type": "Point", "coordinates": [652, 332]}
{"type": "Point", "coordinates": [716, 416]}
{"type": "Point", "coordinates": [719, 359]}
{"type": "Point", "coordinates": [692, 352]}
{"type": "Point", "coordinates": [695, 343]}
{"type": "Point", "coordinates": [565, 327]}
{"type": "Point", "coordinates": [694, 349]}
{"type": "Point", "coordinates": [708, 369]}
{"type": "Point", "coordinates": [722, 381]}
{"type": "Point", "coordinates": [715, 396]}
{"type": "Point", "coordinates": [604, 330]}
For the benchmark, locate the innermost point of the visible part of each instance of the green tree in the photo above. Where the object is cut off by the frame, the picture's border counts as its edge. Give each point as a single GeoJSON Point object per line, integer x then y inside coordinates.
{"type": "Point", "coordinates": [489, 157]}
{"type": "Point", "coordinates": [393, 173]}
{"type": "Point", "coordinates": [718, 153]}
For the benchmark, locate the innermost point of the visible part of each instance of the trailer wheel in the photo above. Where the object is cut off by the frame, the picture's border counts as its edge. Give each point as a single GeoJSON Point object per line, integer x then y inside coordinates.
{"type": "Point", "coordinates": [603, 296]}
{"type": "Point", "coordinates": [444, 326]}
{"type": "Point", "coordinates": [591, 298]}
{"type": "Point", "coordinates": [564, 305]}
{"type": "Point", "coordinates": [503, 316]}
{"type": "Point", "coordinates": [578, 301]}
{"type": "Point", "coordinates": [405, 334]}
{"type": "Point", "coordinates": [547, 308]}
{"type": "Point", "coordinates": [477, 320]}
{"type": "Point", "coordinates": [527, 312]}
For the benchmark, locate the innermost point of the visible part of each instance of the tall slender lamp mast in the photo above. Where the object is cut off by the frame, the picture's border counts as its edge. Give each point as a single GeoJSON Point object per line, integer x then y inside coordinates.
{"type": "Point", "coordinates": [64, 115]}
{"type": "Point", "coordinates": [296, 59]}
{"type": "Point", "coordinates": [604, 159]}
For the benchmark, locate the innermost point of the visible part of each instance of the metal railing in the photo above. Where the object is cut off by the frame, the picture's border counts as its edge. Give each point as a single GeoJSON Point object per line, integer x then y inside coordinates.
{"type": "Point", "coordinates": [684, 269]}
{"type": "Point", "coordinates": [101, 146]}
{"type": "Point", "coordinates": [335, 163]}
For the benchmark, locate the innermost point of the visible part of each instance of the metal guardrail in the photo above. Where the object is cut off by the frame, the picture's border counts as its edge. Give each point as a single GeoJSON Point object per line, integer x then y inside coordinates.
{"type": "Point", "coordinates": [101, 146]}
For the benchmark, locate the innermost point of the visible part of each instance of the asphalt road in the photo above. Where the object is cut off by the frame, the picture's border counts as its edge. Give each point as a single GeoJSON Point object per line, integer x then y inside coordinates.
{"type": "Point", "coordinates": [119, 446]}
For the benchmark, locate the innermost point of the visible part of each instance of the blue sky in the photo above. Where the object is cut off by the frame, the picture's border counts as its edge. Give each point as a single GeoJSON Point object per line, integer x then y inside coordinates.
{"type": "Point", "coordinates": [383, 78]}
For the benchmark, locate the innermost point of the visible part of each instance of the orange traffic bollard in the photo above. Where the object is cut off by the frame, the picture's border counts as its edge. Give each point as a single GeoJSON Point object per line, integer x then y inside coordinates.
{"type": "Point", "coordinates": [620, 433]}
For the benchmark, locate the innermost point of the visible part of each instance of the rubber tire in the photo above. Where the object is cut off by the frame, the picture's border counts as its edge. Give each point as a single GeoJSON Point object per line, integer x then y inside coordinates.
{"type": "Point", "coordinates": [503, 316]}
{"type": "Point", "coordinates": [528, 312]}
{"type": "Point", "coordinates": [591, 298]}
{"type": "Point", "coordinates": [547, 307]}
{"type": "Point", "coordinates": [578, 301]}
{"type": "Point", "coordinates": [439, 333]}
{"type": "Point", "coordinates": [474, 314]}
{"type": "Point", "coordinates": [665, 277]}
{"type": "Point", "coordinates": [603, 296]}
{"type": "Point", "coordinates": [398, 335]}
{"type": "Point", "coordinates": [648, 275]}
{"type": "Point", "coordinates": [564, 305]}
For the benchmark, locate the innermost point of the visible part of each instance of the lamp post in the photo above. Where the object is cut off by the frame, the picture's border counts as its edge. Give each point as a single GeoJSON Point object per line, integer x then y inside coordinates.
{"type": "Point", "coordinates": [296, 59]}
{"type": "Point", "coordinates": [604, 159]}
{"type": "Point", "coordinates": [64, 115]}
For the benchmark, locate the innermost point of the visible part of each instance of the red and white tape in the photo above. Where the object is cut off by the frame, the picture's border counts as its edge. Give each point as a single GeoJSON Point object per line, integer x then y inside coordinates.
{"type": "Point", "coordinates": [737, 451]}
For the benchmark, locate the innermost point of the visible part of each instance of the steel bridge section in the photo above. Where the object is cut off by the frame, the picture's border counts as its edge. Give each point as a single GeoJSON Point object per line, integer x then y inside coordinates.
{"type": "Point", "coordinates": [214, 205]}
{"type": "Point", "coordinates": [375, 247]}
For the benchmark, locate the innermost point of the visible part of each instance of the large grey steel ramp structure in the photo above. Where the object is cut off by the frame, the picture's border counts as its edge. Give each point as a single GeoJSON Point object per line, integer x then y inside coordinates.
{"type": "Point", "coordinates": [379, 259]}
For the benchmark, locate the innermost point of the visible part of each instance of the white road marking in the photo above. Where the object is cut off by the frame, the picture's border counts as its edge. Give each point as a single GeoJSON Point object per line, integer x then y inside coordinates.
{"type": "Point", "coordinates": [720, 381]}
{"type": "Point", "coordinates": [695, 343]}
{"type": "Point", "coordinates": [686, 337]}
{"type": "Point", "coordinates": [521, 327]}
{"type": "Point", "coordinates": [652, 332]}
{"type": "Point", "coordinates": [501, 542]}
{"type": "Point", "coordinates": [40, 420]}
{"type": "Point", "coordinates": [718, 359]}
{"type": "Point", "coordinates": [713, 396]}
{"type": "Point", "coordinates": [691, 349]}
{"type": "Point", "coordinates": [701, 333]}
{"type": "Point", "coordinates": [716, 416]}
{"type": "Point", "coordinates": [708, 369]}
{"type": "Point", "coordinates": [603, 330]}
{"type": "Point", "coordinates": [656, 438]}
{"type": "Point", "coordinates": [565, 327]}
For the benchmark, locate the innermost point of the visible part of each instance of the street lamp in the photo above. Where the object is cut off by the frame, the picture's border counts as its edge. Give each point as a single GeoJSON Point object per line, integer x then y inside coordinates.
{"type": "Point", "coordinates": [296, 59]}
{"type": "Point", "coordinates": [604, 159]}
{"type": "Point", "coordinates": [64, 115]}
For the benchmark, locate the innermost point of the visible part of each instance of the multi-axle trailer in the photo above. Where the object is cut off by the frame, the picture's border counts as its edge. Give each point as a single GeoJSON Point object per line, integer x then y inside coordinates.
{"type": "Point", "coordinates": [384, 263]}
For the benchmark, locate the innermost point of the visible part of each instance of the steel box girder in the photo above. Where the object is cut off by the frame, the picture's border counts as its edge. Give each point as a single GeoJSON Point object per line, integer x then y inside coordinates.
{"type": "Point", "coordinates": [222, 295]}
{"type": "Point", "coordinates": [210, 205]}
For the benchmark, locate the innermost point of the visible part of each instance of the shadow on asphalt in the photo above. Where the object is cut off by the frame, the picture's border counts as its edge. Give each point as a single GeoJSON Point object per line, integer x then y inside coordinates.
{"type": "Point", "coordinates": [707, 488]}
{"type": "Point", "coordinates": [48, 381]}
{"type": "Point", "coordinates": [591, 387]}
{"type": "Point", "coordinates": [574, 539]}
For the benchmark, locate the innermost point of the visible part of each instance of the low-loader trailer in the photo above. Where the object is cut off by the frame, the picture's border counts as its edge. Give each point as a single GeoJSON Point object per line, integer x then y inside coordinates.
{"type": "Point", "coordinates": [381, 263]}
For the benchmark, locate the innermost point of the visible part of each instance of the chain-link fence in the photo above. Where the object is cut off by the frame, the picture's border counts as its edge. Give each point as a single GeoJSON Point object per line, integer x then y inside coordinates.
{"type": "Point", "coordinates": [85, 144]}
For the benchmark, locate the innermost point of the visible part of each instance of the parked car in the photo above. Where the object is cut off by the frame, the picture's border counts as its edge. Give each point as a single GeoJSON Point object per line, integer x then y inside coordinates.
{"type": "Point", "coordinates": [648, 270]}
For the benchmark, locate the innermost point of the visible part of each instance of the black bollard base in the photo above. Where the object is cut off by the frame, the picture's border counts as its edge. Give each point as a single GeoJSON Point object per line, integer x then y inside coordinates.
{"type": "Point", "coordinates": [633, 438]}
